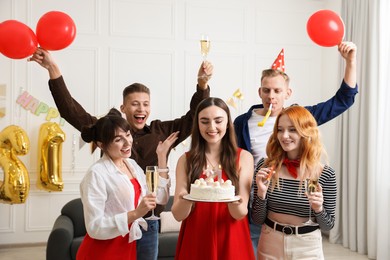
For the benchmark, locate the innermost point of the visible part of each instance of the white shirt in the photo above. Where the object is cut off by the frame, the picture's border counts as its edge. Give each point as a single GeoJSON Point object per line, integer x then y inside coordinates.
{"type": "Point", "coordinates": [107, 195]}
{"type": "Point", "coordinates": [259, 135]}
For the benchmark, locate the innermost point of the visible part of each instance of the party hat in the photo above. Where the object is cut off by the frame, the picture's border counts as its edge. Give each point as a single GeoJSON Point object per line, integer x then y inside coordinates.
{"type": "Point", "coordinates": [279, 62]}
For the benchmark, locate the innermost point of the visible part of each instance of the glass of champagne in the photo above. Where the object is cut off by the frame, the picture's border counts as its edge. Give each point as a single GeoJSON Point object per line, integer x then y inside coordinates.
{"type": "Point", "coordinates": [204, 46]}
{"type": "Point", "coordinates": [310, 186]}
{"type": "Point", "coordinates": [152, 182]}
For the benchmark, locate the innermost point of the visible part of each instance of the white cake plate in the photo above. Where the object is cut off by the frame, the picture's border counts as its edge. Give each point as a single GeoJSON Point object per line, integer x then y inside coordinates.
{"type": "Point", "coordinates": [188, 197]}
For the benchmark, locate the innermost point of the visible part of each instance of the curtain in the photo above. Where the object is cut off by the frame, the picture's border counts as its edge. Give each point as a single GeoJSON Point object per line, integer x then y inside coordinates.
{"type": "Point", "coordinates": [382, 235]}
{"type": "Point", "coordinates": [363, 204]}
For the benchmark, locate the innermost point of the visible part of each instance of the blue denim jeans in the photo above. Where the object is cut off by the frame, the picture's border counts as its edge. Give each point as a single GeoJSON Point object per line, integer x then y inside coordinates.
{"type": "Point", "coordinates": [147, 246]}
{"type": "Point", "coordinates": [254, 229]}
{"type": "Point", "coordinates": [255, 235]}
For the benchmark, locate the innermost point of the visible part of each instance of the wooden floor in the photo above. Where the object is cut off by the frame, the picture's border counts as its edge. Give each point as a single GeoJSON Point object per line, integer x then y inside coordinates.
{"type": "Point", "coordinates": [331, 251]}
{"type": "Point", "coordinates": [338, 252]}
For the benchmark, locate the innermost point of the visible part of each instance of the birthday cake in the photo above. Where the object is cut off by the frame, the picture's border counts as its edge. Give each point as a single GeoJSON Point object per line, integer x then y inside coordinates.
{"type": "Point", "coordinates": [212, 190]}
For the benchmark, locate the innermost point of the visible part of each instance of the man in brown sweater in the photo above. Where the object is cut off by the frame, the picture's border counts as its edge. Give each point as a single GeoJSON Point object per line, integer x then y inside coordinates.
{"type": "Point", "coordinates": [136, 106]}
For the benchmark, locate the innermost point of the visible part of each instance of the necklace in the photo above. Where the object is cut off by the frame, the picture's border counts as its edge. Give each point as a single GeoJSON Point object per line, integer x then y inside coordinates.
{"type": "Point", "coordinates": [125, 169]}
{"type": "Point", "coordinates": [121, 165]}
{"type": "Point", "coordinates": [209, 163]}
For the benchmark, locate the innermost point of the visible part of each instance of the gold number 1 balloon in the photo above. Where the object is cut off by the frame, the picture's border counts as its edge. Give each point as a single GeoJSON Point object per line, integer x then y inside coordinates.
{"type": "Point", "coordinates": [16, 183]}
{"type": "Point", "coordinates": [50, 142]}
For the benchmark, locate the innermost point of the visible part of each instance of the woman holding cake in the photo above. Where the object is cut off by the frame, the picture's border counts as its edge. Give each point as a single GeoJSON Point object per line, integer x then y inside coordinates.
{"type": "Point", "coordinates": [296, 193]}
{"type": "Point", "coordinates": [213, 230]}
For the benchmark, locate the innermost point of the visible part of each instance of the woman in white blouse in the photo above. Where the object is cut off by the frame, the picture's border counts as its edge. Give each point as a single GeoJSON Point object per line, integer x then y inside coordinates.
{"type": "Point", "coordinates": [114, 192]}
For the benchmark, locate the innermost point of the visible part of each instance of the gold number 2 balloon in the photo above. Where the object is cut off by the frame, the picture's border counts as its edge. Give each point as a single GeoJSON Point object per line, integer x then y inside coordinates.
{"type": "Point", "coordinates": [16, 183]}
{"type": "Point", "coordinates": [50, 142]}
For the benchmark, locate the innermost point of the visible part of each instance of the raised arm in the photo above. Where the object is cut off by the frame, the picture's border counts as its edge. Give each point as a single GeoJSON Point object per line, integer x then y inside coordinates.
{"type": "Point", "coordinates": [162, 152]}
{"type": "Point", "coordinates": [345, 95]}
{"type": "Point", "coordinates": [68, 107]}
{"type": "Point", "coordinates": [348, 52]}
{"type": "Point", "coordinates": [204, 74]}
{"type": "Point", "coordinates": [184, 123]}
{"type": "Point", "coordinates": [44, 58]}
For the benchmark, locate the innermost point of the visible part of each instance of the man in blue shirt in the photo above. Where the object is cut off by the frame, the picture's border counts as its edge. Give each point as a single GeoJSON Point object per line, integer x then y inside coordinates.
{"type": "Point", "coordinates": [275, 90]}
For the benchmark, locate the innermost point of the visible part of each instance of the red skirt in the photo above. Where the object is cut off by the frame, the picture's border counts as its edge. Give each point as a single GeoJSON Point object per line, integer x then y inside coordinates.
{"type": "Point", "coordinates": [116, 248]}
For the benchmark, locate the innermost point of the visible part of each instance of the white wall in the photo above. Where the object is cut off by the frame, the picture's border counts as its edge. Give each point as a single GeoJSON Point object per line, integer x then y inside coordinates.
{"type": "Point", "coordinates": [155, 42]}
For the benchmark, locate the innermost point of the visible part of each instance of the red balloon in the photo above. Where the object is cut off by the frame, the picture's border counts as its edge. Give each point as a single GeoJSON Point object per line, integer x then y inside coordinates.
{"type": "Point", "coordinates": [55, 31]}
{"type": "Point", "coordinates": [325, 28]}
{"type": "Point", "coordinates": [17, 40]}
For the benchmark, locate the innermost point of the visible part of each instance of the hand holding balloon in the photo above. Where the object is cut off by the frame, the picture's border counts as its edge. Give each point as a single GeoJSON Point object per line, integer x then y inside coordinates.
{"type": "Point", "coordinates": [44, 58]}
{"type": "Point", "coordinates": [348, 51]}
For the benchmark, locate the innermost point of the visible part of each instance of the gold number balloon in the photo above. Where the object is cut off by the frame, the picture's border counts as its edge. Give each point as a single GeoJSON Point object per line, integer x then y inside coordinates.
{"type": "Point", "coordinates": [16, 183]}
{"type": "Point", "coordinates": [50, 142]}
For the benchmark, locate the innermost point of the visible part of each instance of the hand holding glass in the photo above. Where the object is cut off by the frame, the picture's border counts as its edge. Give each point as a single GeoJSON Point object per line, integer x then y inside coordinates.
{"type": "Point", "coordinates": [152, 183]}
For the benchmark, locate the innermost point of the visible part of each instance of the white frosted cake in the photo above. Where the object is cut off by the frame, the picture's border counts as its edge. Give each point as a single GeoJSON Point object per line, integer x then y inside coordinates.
{"type": "Point", "coordinates": [212, 190]}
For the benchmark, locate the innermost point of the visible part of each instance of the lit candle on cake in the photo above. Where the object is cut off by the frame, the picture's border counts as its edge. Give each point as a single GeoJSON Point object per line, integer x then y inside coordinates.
{"type": "Point", "coordinates": [219, 173]}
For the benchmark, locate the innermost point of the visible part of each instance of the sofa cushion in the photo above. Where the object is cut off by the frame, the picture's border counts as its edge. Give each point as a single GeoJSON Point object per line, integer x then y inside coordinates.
{"type": "Point", "coordinates": [75, 246]}
{"type": "Point", "coordinates": [167, 244]}
{"type": "Point", "coordinates": [74, 210]}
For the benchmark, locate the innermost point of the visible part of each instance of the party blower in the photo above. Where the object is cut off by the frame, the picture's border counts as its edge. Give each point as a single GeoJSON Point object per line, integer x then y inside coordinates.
{"type": "Point", "coordinates": [278, 64]}
{"type": "Point", "coordinates": [261, 124]}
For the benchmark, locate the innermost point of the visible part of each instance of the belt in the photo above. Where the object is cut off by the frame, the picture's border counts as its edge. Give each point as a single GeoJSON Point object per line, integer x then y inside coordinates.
{"type": "Point", "coordinates": [290, 230]}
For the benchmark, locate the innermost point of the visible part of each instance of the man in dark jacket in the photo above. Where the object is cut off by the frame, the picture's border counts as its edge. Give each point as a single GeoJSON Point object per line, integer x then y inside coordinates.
{"type": "Point", "coordinates": [275, 90]}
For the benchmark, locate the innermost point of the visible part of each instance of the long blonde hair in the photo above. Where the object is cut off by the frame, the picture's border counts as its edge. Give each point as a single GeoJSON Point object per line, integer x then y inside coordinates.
{"type": "Point", "coordinates": [311, 150]}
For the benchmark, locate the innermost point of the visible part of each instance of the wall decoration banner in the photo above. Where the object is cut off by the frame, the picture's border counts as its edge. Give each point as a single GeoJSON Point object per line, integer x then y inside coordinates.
{"type": "Point", "coordinates": [38, 107]}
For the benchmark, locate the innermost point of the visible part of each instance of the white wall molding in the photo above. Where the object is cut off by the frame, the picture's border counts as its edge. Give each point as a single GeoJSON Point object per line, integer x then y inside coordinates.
{"type": "Point", "coordinates": [154, 42]}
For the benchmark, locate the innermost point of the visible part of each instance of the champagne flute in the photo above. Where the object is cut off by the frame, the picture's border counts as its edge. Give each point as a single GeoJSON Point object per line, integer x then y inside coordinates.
{"type": "Point", "coordinates": [204, 46]}
{"type": "Point", "coordinates": [152, 182]}
{"type": "Point", "coordinates": [310, 186]}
